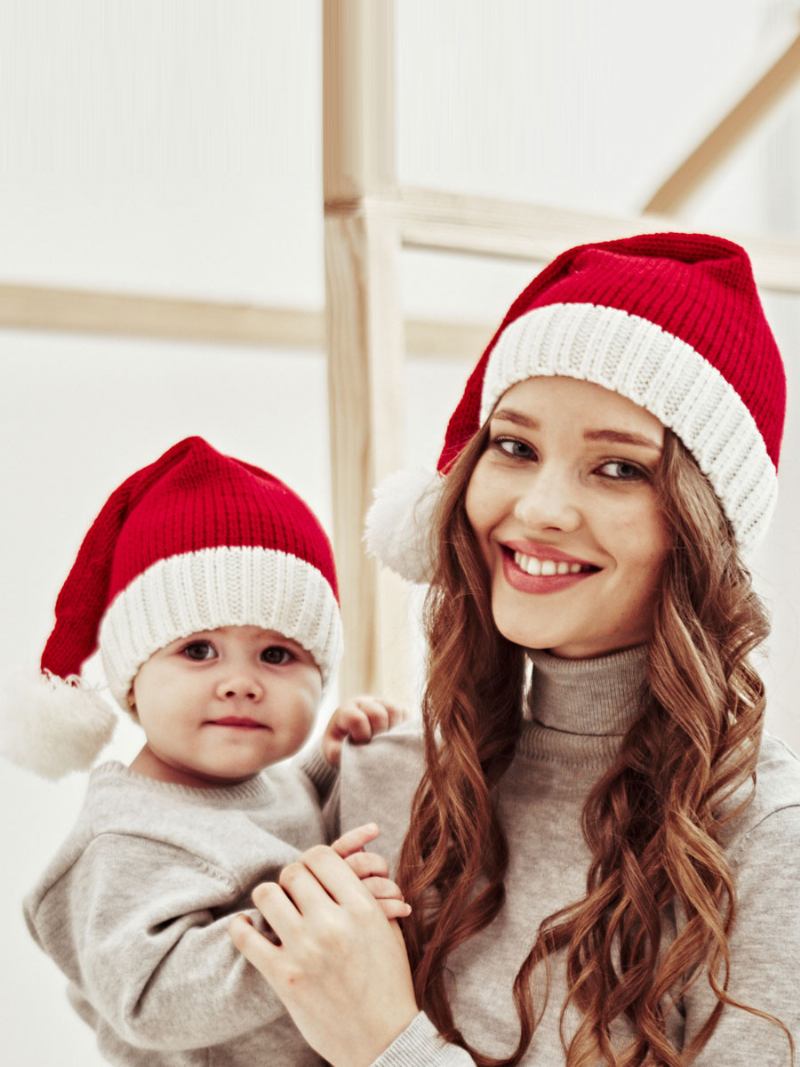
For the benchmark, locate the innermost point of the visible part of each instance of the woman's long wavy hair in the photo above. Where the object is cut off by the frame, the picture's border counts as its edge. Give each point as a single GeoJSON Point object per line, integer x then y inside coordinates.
{"type": "Point", "coordinates": [653, 822]}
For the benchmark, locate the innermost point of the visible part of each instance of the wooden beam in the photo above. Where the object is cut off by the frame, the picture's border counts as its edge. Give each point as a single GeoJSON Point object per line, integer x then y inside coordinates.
{"type": "Point", "coordinates": [728, 134]}
{"type": "Point", "coordinates": [449, 340]}
{"type": "Point", "coordinates": [364, 330]}
{"type": "Point", "coordinates": [144, 315]}
{"type": "Point", "coordinates": [358, 98]}
{"type": "Point", "coordinates": [31, 307]}
{"type": "Point", "coordinates": [484, 226]}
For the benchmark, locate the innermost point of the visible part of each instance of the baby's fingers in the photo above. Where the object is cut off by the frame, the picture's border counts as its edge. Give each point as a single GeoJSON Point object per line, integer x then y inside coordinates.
{"type": "Point", "coordinates": [354, 722]}
{"type": "Point", "coordinates": [395, 714]}
{"type": "Point", "coordinates": [376, 713]}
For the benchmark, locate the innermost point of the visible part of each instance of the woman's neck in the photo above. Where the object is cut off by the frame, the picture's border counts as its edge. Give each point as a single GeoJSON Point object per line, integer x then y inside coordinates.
{"type": "Point", "coordinates": [598, 696]}
{"type": "Point", "coordinates": [579, 710]}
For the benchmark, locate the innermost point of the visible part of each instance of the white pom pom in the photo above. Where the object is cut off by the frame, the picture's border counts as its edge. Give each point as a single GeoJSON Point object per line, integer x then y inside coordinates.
{"type": "Point", "coordinates": [399, 523]}
{"type": "Point", "coordinates": [51, 726]}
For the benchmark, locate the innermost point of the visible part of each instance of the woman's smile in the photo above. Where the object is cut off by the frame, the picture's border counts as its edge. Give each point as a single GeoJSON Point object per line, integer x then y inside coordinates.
{"type": "Point", "coordinates": [533, 567]}
{"type": "Point", "coordinates": [542, 574]}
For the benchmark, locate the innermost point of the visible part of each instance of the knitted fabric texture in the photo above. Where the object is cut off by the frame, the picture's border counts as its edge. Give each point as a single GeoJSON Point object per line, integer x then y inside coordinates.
{"type": "Point", "coordinates": [135, 906]}
{"type": "Point", "coordinates": [671, 321]}
{"type": "Point", "coordinates": [194, 541]}
{"type": "Point", "coordinates": [580, 711]}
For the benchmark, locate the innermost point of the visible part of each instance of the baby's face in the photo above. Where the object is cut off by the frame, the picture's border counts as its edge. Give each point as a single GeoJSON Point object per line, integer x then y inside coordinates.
{"type": "Point", "coordinates": [223, 704]}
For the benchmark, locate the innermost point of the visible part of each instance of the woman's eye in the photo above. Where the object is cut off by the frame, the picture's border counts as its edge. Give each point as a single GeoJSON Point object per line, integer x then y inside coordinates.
{"type": "Point", "coordinates": [621, 471]}
{"type": "Point", "coordinates": [199, 650]}
{"type": "Point", "coordinates": [276, 655]}
{"type": "Point", "coordinates": [510, 446]}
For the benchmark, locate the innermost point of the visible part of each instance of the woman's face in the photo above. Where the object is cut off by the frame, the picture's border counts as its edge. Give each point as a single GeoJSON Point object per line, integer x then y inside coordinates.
{"type": "Point", "coordinates": [565, 511]}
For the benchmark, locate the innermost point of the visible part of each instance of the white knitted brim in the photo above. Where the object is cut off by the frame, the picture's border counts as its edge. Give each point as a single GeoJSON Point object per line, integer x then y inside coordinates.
{"type": "Point", "coordinates": [213, 587]}
{"type": "Point", "coordinates": [637, 359]}
{"type": "Point", "coordinates": [633, 357]}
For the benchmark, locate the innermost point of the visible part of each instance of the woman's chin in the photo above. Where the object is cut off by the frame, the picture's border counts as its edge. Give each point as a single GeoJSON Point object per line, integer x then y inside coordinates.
{"type": "Point", "coordinates": [568, 639]}
{"type": "Point", "coordinates": [543, 638]}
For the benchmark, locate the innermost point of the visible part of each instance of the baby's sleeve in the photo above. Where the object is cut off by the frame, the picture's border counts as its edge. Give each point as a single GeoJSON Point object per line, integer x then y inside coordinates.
{"type": "Point", "coordinates": [141, 927]}
{"type": "Point", "coordinates": [320, 773]}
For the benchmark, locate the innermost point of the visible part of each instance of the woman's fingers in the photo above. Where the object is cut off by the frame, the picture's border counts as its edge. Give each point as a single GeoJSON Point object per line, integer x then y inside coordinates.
{"type": "Point", "coordinates": [367, 863]}
{"type": "Point", "coordinates": [382, 888]}
{"type": "Point", "coordinates": [336, 876]}
{"type": "Point", "coordinates": [342, 873]}
{"type": "Point", "coordinates": [278, 909]}
{"type": "Point", "coordinates": [252, 945]}
{"type": "Point", "coordinates": [394, 909]}
{"type": "Point", "coordinates": [340, 961]}
{"type": "Point", "coordinates": [354, 840]}
{"type": "Point", "coordinates": [297, 881]}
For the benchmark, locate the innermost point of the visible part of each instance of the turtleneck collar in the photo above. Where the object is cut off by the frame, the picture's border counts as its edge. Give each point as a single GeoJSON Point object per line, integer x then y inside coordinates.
{"type": "Point", "coordinates": [580, 709]}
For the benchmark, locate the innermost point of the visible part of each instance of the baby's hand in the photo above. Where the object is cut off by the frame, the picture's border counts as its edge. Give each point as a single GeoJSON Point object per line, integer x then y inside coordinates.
{"type": "Point", "coordinates": [359, 719]}
{"type": "Point", "coordinates": [372, 869]}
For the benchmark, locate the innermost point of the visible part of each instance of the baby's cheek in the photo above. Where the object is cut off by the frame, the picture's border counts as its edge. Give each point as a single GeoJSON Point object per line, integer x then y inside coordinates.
{"type": "Point", "coordinates": [302, 723]}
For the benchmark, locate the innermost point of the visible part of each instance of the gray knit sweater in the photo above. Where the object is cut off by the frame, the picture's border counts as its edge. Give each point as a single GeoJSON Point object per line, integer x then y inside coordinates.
{"type": "Point", "coordinates": [134, 909]}
{"type": "Point", "coordinates": [581, 709]}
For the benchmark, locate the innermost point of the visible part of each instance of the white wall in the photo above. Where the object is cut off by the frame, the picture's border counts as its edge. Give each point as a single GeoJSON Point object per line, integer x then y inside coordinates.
{"type": "Point", "coordinates": [173, 146]}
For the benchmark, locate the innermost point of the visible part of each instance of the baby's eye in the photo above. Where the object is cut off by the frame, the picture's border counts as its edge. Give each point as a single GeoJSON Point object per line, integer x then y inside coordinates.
{"type": "Point", "coordinates": [513, 447]}
{"type": "Point", "coordinates": [276, 655]}
{"type": "Point", "coordinates": [199, 650]}
{"type": "Point", "coordinates": [620, 471]}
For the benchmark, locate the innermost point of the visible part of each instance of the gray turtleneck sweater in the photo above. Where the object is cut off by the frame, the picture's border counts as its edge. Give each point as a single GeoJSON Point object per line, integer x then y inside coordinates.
{"type": "Point", "coordinates": [580, 711]}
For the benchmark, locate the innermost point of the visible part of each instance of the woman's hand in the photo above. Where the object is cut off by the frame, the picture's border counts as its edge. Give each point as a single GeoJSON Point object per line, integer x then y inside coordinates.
{"type": "Point", "coordinates": [372, 869]}
{"type": "Point", "coordinates": [359, 719]}
{"type": "Point", "coordinates": [341, 968]}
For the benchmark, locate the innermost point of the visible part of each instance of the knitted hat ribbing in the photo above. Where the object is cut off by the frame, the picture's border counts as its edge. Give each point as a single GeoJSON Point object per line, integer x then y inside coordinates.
{"type": "Point", "coordinates": [192, 542]}
{"type": "Point", "coordinates": [671, 321]}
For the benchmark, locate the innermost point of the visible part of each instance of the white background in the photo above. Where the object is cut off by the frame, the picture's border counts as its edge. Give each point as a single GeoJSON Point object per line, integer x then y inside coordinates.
{"type": "Point", "coordinates": [174, 147]}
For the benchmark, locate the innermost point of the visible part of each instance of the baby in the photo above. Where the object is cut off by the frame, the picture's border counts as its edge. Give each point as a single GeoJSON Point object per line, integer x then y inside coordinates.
{"type": "Point", "coordinates": [210, 589]}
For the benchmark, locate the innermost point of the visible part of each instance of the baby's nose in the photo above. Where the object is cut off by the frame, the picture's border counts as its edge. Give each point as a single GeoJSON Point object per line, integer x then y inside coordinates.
{"type": "Point", "coordinates": [241, 688]}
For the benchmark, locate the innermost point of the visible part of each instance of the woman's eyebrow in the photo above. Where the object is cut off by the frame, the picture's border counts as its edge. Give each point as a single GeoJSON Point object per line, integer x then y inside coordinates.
{"type": "Point", "coordinates": [619, 437]}
{"type": "Point", "coordinates": [517, 417]}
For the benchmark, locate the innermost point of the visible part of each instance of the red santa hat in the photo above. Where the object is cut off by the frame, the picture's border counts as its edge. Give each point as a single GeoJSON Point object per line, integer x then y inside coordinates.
{"type": "Point", "coordinates": [194, 541]}
{"type": "Point", "coordinates": [673, 322]}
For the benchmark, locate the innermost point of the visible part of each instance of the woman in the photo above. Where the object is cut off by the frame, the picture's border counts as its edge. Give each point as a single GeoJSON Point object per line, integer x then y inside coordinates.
{"type": "Point", "coordinates": [602, 855]}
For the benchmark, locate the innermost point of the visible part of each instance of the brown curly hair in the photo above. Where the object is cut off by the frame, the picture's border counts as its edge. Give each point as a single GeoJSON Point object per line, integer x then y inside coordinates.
{"type": "Point", "coordinates": [653, 821]}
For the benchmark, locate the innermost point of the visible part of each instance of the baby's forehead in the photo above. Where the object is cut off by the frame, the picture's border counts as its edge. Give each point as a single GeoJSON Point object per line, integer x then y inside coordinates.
{"type": "Point", "coordinates": [251, 634]}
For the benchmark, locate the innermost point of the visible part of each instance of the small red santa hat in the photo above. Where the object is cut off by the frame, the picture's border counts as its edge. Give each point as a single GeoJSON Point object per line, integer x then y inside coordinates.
{"type": "Point", "coordinates": [673, 322]}
{"type": "Point", "coordinates": [194, 541]}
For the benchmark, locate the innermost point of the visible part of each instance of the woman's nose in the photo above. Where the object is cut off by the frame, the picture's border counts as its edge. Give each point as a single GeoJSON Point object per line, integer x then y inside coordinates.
{"type": "Point", "coordinates": [549, 502]}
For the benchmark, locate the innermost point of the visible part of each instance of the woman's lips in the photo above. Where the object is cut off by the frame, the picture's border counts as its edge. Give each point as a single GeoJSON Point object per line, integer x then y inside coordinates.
{"type": "Point", "coordinates": [517, 578]}
{"type": "Point", "coordinates": [542, 551]}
